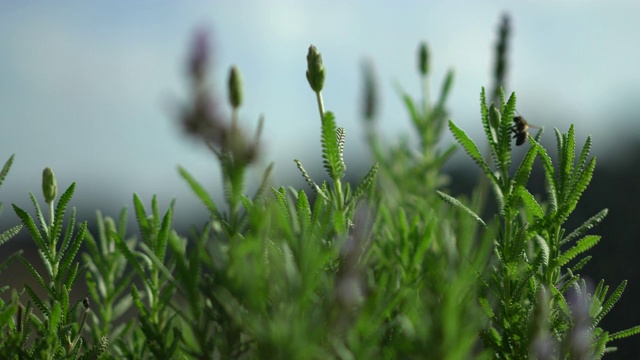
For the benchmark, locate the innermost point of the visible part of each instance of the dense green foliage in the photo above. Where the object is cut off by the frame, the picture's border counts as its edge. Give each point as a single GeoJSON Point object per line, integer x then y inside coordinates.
{"type": "Point", "coordinates": [390, 267]}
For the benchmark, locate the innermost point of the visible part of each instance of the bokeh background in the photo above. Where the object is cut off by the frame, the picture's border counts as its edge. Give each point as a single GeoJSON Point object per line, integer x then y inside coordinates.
{"type": "Point", "coordinates": [91, 89]}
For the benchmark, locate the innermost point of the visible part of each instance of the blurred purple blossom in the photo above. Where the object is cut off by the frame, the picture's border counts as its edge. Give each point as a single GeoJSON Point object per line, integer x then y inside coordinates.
{"type": "Point", "coordinates": [200, 56]}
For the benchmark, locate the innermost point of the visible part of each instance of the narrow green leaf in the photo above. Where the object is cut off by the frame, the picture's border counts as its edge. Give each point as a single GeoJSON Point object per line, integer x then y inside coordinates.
{"type": "Point", "coordinates": [67, 236]}
{"type": "Point", "coordinates": [560, 300]}
{"type": "Point", "coordinates": [44, 227]}
{"type": "Point", "coordinates": [486, 124]}
{"type": "Point", "coordinates": [484, 304]}
{"type": "Point", "coordinates": [457, 204]}
{"type": "Point", "coordinates": [102, 234]}
{"type": "Point", "coordinates": [559, 147]}
{"type": "Point", "coordinates": [135, 294]}
{"type": "Point", "coordinates": [163, 235]}
{"type": "Point", "coordinates": [200, 192]}
{"type": "Point", "coordinates": [549, 173]}
{"type": "Point", "coordinates": [611, 301]}
{"type": "Point", "coordinates": [303, 211]}
{"type": "Point", "coordinates": [281, 197]}
{"type": "Point", "coordinates": [506, 124]}
{"type": "Point", "coordinates": [70, 255]}
{"type": "Point", "coordinates": [129, 255]}
{"type": "Point", "coordinates": [584, 154]}
{"type": "Point", "coordinates": [141, 215]}
{"type": "Point", "coordinates": [71, 275]}
{"type": "Point", "coordinates": [9, 233]}
{"type": "Point", "coordinates": [61, 208]}
{"type": "Point", "coordinates": [5, 169]}
{"type": "Point", "coordinates": [530, 204]}
{"type": "Point", "coordinates": [64, 304]}
{"type": "Point", "coordinates": [310, 181]}
{"type": "Point", "coordinates": [159, 264]}
{"type": "Point", "coordinates": [586, 226]}
{"type": "Point", "coordinates": [566, 159]}
{"type": "Point", "coordinates": [516, 245]}
{"type": "Point", "coordinates": [27, 221]}
{"type": "Point", "coordinates": [264, 184]}
{"type": "Point", "coordinates": [122, 223]}
{"type": "Point", "coordinates": [366, 183]}
{"type": "Point", "coordinates": [439, 112]}
{"type": "Point", "coordinates": [625, 333]}
{"type": "Point", "coordinates": [34, 273]}
{"type": "Point", "coordinates": [577, 267]}
{"type": "Point", "coordinates": [333, 163]}
{"type": "Point", "coordinates": [36, 300]}
{"type": "Point", "coordinates": [55, 317]}
{"type": "Point", "coordinates": [599, 348]}
{"type": "Point", "coordinates": [503, 103]}
{"type": "Point", "coordinates": [581, 246]}
{"type": "Point", "coordinates": [524, 170]}
{"type": "Point", "coordinates": [411, 108]}
{"type": "Point", "coordinates": [341, 138]}
{"type": "Point", "coordinates": [155, 216]}
{"type": "Point", "coordinates": [544, 248]}
{"type": "Point", "coordinates": [446, 88]}
{"type": "Point", "coordinates": [497, 191]}
{"type": "Point", "coordinates": [470, 147]}
{"type": "Point", "coordinates": [573, 198]}
{"type": "Point", "coordinates": [597, 293]}
{"type": "Point", "coordinates": [121, 307]}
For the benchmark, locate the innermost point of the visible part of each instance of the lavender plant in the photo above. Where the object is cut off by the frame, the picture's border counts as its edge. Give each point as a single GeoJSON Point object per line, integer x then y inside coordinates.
{"type": "Point", "coordinates": [526, 293]}
{"type": "Point", "coordinates": [378, 269]}
{"type": "Point", "coordinates": [52, 319]}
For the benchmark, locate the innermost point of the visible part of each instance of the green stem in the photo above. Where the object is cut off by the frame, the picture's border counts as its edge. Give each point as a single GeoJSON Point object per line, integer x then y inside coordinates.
{"type": "Point", "coordinates": [234, 121]}
{"type": "Point", "coordinates": [338, 185]}
{"type": "Point", "coordinates": [426, 94]}
{"type": "Point", "coordinates": [320, 105]}
{"type": "Point", "coordinates": [51, 213]}
{"type": "Point", "coordinates": [337, 182]}
{"type": "Point", "coordinates": [52, 241]}
{"type": "Point", "coordinates": [84, 319]}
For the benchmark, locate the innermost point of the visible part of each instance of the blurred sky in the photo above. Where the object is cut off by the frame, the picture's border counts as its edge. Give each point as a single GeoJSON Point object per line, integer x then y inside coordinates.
{"type": "Point", "coordinates": [88, 87]}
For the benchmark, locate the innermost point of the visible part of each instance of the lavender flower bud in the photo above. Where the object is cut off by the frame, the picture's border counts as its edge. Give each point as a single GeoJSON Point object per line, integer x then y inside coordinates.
{"type": "Point", "coordinates": [315, 69]}
{"type": "Point", "coordinates": [235, 87]}
{"type": "Point", "coordinates": [199, 55]}
{"type": "Point", "coordinates": [49, 185]}
{"type": "Point", "coordinates": [423, 59]}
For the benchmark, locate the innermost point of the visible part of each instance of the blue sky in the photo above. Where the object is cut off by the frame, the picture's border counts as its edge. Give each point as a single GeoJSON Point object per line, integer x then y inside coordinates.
{"type": "Point", "coordinates": [87, 87]}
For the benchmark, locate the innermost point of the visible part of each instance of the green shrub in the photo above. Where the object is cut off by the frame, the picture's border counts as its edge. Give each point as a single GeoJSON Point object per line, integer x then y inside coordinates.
{"type": "Point", "coordinates": [390, 267]}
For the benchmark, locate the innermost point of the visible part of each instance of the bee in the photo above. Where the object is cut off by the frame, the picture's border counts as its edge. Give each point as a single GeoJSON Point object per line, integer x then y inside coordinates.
{"type": "Point", "coordinates": [521, 129]}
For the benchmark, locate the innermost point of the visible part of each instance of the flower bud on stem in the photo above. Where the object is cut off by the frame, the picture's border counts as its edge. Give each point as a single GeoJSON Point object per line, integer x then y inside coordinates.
{"type": "Point", "coordinates": [316, 74]}
{"type": "Point", "coordinates": [49, 189]}
{"type": "Point", "coordinates": [235, 96]}
{"type": "Point", "coordinates": [423, 68]}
